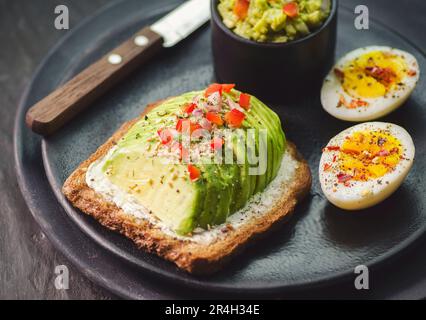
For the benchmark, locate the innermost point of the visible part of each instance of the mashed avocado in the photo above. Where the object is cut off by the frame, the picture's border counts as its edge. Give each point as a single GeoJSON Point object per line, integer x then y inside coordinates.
{"type": "Point", "coordinates": [273, 20]}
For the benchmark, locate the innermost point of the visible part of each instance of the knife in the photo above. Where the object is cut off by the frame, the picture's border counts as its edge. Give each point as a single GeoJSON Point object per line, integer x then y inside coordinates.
{"type": "Point", "coordinates": [60, 106]}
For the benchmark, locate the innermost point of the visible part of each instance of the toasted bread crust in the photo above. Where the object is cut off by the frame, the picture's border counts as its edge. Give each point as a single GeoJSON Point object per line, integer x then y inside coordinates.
{"type": "Point", "coordinates": [193, 257]}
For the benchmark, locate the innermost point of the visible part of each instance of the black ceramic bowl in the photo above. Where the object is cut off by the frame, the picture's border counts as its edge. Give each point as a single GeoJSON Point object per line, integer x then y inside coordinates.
{"type": "Point", "coordinates": [273, 71]}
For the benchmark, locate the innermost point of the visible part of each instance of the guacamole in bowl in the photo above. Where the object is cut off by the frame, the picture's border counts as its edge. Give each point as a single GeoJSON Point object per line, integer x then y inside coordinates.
{"type": "Point", "coordinates": [273, 20]}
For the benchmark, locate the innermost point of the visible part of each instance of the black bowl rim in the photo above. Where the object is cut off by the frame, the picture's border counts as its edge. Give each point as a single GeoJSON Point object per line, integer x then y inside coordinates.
{"type": "Point", "coordinates": [217, 19]}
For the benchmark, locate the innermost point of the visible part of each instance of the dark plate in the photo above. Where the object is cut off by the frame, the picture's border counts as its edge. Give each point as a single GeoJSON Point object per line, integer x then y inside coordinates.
{"type": "Point", "coordinates": [319, 245]}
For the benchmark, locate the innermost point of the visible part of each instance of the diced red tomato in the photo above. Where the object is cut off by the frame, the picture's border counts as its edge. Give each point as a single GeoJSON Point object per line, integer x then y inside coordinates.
{"type": "Point", "coordinates": [215, 118]}
{"type": "Point", "coordinates": [291, 9]}
{"type": "Point", "coordinates": [165, 136]}
{"type": "Point", "coordinates": [194, 126]}
{"type": "Point", "coordinates": [188, 108]}
{"type": "Point", "coordinates": [234, 118]}
{"type": "Point", "coordinates": [194, 172]}
{"type": "Point", "coordinates": [227, 87]}
{"type": "Point", "coordinates": [216, 143]}
{"type": "Point", "coordinates": [187, 123]}
{"type": "Point", "coordinates": [215, 87]}
{"type": "Point", "coordinates": [327, 166]}
{"type": "Point", "coordinates": [244, 101]}
{"type": "Point", "coordinates": [179, 125]}
{"type": "Point", "coordinates": [241, 8]}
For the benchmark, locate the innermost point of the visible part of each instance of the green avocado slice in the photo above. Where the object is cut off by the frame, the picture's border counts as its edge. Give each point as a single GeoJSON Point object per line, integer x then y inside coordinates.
{"type": "Point", "coordinates": [260, 178]}
{"type": "Point", "coordinates": [244, 191]}
{"type": "Point", "coordinates": [256, 117]}
{"type": "Point", "coordinates": [211, 198]}
{"type": "Point", "coordinates": [171, 196]}
{"type": "Point", "coordinates": [162, 189]}
{"type": "Point", "coordinates": [272, 121]}
{"type": "Point", "coordinates": [235, 186]}
{"type": "Point", "coordinates": [225, 193]}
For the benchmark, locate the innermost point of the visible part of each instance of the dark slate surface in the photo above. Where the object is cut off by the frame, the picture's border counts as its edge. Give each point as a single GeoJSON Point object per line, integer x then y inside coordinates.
{"type": "Point", "coordinates": [27, 259]}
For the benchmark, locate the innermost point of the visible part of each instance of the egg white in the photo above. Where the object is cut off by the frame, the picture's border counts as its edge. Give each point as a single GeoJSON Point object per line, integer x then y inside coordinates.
{"type": "Point", "coordinates": [377, 107]}
{"type": "Point", "coordinates": [364, 194]}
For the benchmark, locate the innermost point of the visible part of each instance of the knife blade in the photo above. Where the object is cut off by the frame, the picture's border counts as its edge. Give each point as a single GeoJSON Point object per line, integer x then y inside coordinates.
{"type": "Point", "coordinates": [181, 22]}
{"type": "Point", "coordinates": [64, 103]}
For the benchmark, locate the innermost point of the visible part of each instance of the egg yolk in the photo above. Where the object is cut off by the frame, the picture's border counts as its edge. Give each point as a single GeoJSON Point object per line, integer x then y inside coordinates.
{"type": "Point", "coordinates": [369, 154]}
{"type": "Point", "coordinates": [373, 74]}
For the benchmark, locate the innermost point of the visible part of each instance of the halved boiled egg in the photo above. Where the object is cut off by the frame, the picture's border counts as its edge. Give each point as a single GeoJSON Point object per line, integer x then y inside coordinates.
{"type": "Point", "coordinates": [369, 83]}
{"type": "Point", "coordinates": [365, 164]}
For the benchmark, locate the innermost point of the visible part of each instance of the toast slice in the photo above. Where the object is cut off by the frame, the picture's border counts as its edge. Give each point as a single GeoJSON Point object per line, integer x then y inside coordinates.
{"type": "Point", "coordinates": [193, 257]}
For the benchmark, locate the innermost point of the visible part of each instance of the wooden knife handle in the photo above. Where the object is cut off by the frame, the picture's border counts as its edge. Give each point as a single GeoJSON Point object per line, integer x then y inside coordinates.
{"type": "Point", "coordinates": [52, 112]}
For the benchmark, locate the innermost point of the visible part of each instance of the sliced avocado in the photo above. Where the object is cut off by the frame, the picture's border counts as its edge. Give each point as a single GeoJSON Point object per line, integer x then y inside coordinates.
{"type": "Point", "coordinates": [275, 132]}
{"type": "Point", "coordinates": [279, 139]}
{"type": "Point", "coordinates": [263, 117]}
{"type": "Point", "coordinates": [190, 223]}
{"type": "Point", "coordinates": [233, 174]}
{"type": "Point", "coordinates": [219, 192]}
{"type": "Point", "coordinates": [252, 178]}
{"type": "Point", "coordinates": [150, 181]}
{"type": "Point", "coordinates": [225, 193]}
{"type": "Point", "coordinates": [260, 178]}
{"type": "Point", "coordinates": [208, 213]}
{"type": "Point", "coordinates": [235, 184]}
{"type": "Point", "coordinates": [244, 192]}
{"type": "Point", "coordinates": [260, 121]}
{"type": "Point", "coordinates": [260, 118]}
